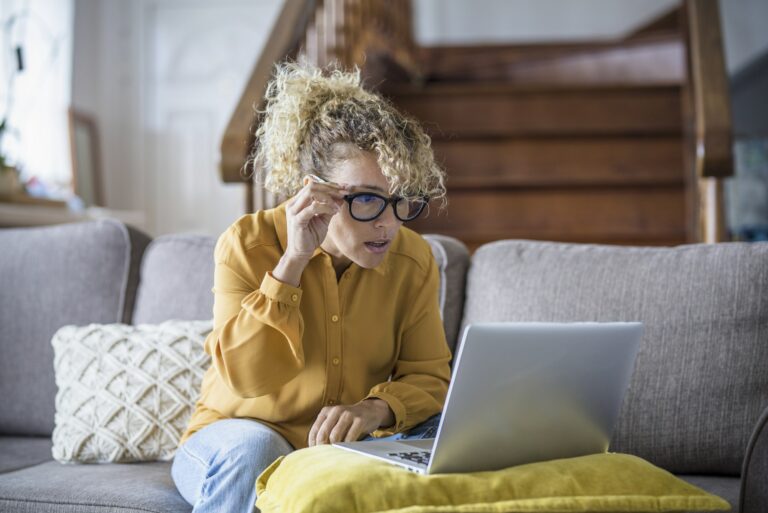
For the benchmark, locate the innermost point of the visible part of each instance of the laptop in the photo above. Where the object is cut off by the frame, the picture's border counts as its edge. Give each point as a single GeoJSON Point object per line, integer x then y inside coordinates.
{"type": "Point", "coordinates": [522, 393]}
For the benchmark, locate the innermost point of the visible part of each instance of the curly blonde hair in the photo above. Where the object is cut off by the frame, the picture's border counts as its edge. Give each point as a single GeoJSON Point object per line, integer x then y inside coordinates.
{"type": "Point", "coordinates": [315, 118]}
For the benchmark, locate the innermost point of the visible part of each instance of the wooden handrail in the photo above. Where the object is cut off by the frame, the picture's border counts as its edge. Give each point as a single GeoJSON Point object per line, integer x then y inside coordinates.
{"type": "Point", "coordinates": [708, 120]}
{"type": "Point", "coordinates": [287, 32]}
{"type": "Point", "coordinates": [709, 83]}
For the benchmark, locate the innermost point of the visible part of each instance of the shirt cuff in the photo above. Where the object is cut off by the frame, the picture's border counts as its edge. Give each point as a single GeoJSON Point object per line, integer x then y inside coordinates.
{"type": "Point", "coordinates": [276, 290]}
{"type": "Point", "coordinates": [398, 408]}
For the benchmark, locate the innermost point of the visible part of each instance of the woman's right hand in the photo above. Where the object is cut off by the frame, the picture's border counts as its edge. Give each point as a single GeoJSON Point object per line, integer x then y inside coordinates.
{"type": "Point", "coordinates": [308, 215]}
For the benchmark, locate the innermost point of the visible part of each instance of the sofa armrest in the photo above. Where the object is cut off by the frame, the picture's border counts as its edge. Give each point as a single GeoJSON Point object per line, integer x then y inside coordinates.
{"type": "Point", "coordinates": [753, 497]}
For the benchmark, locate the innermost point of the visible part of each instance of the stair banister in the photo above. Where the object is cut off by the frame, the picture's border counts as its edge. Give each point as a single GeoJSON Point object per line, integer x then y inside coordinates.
{"type": "Point", "coordinates": [709, 120]}
{"type": "Point", "coordinates": [283, 41]}
{"type": "Point", "coordinates": [322, 31]}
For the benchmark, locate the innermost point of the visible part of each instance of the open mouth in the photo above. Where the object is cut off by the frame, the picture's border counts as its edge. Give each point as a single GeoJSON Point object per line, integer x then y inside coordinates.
{"type": "Point", "coordinates": [378, 246]}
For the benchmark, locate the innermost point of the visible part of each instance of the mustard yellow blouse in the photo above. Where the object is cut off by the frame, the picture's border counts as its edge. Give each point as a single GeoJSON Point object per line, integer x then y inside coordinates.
{"type": "Point", "coordinates": [280, 353]}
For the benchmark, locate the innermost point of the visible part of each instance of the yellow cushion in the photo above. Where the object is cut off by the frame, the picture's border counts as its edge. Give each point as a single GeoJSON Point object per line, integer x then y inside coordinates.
{"type": "Point", "coordinates": [327, 479]}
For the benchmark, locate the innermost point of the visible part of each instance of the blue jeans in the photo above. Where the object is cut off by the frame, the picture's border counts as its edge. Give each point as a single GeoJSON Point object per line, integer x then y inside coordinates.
{"type": "Point", "coordinates": [215, 470]}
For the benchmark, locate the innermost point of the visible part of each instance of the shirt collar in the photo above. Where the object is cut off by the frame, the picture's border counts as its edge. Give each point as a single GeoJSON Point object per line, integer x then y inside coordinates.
{"type": "Point", "coordinates": [281, 227]}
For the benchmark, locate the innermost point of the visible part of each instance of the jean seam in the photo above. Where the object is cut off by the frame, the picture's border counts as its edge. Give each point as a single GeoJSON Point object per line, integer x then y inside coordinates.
{"type": "Point", "coordinates": [195, 456]}
{"type": "Point", "coordinates": [203, 489]}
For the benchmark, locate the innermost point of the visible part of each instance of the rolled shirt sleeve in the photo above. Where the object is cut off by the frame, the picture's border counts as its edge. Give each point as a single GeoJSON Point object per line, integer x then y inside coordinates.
{"type": "Point", "coordinates": [256, 342]}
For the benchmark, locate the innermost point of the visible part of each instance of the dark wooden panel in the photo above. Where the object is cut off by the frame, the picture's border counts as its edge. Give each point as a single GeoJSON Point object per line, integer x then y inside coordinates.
{"type": "Point", "coordinates": [449, 59]}
{"type": "Point", "coordinates": [658, 60]}
{"type": "Point", "coordinates": [483, 111]}
{"type": "Point", "coordinates": [575, 161]}
{"type": "Point", "coordinates": [642, 215]}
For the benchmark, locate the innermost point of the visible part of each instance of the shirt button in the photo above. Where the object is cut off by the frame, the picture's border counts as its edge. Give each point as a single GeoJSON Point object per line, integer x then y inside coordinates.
{"type": "Point", "coordinates": [336, 361]}
{"type": "Point", "coordinates": [335, 318]}
{"type": "Point", "coordinates": [294, 297]}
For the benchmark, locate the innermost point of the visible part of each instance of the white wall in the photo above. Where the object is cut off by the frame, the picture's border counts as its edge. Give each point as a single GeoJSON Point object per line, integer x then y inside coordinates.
{"type": "Point", "coordinates": [745, 31]}
{"type": "Point", "coordinates": [162, 78]}
{"type": "Point", "coordinates": [444, 22]}
{"type": "Point", "coordinates": [39, 145]}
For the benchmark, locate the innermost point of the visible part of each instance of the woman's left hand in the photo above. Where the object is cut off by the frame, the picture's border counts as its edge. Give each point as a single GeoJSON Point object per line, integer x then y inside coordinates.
{"type": "Point", "coordinates": [348, 423]}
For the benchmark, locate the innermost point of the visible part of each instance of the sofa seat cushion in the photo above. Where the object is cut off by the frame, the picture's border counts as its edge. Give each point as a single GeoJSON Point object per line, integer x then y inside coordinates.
{"type": "Point", "coordinates": [17, 452]}
{"type": "Point", "coordinates": [723, 486]}
{"type": "Point", "coordinates": [699, 383]}
{"type": "Point", "coordinates": [113, 488]}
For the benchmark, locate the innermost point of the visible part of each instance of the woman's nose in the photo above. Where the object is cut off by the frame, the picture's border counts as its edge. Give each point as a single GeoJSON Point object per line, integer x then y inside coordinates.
{"type": "Point", "coordinates": [386, 219]}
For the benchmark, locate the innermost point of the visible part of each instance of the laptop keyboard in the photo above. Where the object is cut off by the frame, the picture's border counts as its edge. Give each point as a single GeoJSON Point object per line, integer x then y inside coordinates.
{"type": "Point", "coordinates": [420, 457]}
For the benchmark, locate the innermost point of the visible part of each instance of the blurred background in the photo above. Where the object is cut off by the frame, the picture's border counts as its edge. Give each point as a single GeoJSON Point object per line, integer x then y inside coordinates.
{"type": "Point", "coordinates": [611, 121]}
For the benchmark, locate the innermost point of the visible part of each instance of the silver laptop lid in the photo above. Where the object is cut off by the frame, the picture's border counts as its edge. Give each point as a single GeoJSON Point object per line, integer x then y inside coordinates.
{"type": "Point", "coordinates": [525, 392]}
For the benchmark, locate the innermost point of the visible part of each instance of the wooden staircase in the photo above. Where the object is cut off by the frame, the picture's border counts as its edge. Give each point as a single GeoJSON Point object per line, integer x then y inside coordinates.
{"type": "Point", "coordinates": [587, 164]}
{"type": "Point", "coordinates": [621, 142]}
{"type": "Point", "coordinates": [557, 142]}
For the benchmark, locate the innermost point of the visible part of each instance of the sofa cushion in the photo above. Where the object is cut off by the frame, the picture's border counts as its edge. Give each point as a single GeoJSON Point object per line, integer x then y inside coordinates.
{"type": "Point", "coordinates": [176, 280]}
{"type": "Point", "coordinates": [18, 452]}
{"type": "Point", "coordinates": [68, 274]}
{"type": "Point", "coordinates": [126, 393]}
{"type": "Point", "coordinates": [54, 487]}
{"type": "Point", "coordinates": [452, 259]}
{"type": "Point", "coordinates": [723, 486]}
{"type": "Point", "coordinates": [699, 383]}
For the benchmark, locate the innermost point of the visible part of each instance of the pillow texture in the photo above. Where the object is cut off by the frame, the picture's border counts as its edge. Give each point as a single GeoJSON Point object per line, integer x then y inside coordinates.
{"type": "Point", "coordinates": [126, 392]}
{"type": "Point", "coordinates": [327, 479]}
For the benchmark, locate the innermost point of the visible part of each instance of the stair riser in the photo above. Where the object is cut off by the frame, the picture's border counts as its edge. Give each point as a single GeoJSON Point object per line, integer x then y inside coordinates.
{"type": "Point", "coordinates": [547, 162]}
{"type": "Point", "coordinates": [619, 215]}
{"type": "Point", "coordinates": [460, 114]}
{"type": "Point", "coordinates": [660, 61]}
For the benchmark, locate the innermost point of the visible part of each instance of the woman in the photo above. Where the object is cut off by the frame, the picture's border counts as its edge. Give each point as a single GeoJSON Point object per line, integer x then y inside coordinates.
{"type": "Point", "coordinates": [326, 319]}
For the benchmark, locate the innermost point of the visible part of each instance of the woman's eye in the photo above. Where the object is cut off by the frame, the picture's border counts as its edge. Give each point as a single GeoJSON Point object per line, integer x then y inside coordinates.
{"type": "Point", "coordinates": [366, 198]}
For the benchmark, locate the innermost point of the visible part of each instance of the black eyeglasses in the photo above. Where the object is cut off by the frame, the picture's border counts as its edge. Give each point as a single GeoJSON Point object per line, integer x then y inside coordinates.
{"type": "Point", "coordinates": [367, 206]}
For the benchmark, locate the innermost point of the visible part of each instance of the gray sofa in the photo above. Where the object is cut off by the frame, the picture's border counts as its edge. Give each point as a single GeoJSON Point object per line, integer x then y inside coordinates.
{"type": "Point", "coordinates": [696, 405]}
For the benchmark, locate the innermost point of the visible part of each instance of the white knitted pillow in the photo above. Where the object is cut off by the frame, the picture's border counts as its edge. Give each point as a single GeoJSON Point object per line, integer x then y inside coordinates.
{"type": "Point", "coordinates": [126, 392]}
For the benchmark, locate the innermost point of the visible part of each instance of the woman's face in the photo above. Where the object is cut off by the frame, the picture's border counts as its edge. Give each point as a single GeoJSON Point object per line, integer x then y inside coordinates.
{"type": "Point", "coordinates": [349, 240]}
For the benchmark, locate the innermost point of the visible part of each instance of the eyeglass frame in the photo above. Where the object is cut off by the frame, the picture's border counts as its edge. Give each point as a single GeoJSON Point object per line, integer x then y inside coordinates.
{"type": "Point", "coordinates": [392, 200]}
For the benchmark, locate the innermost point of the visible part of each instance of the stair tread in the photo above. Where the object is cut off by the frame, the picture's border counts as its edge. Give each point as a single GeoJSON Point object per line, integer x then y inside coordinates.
{"type": "Point", "coordinates": [649, 59]}
{"type": "Point", "coordinates": [522, 183]}
{"type": "Point", "coordinates": [546, 48]}
{"type": "Point", "coordinates": [505, 88]}
{"type": "Point", "coordinates": [473, 240]}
